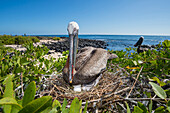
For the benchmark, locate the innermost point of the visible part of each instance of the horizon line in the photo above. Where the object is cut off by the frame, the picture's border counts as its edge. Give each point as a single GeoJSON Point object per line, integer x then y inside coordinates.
{"type": "Point", "coordinates": [107, 34]}
{"type": "Point", "coordinates": [94, 34]}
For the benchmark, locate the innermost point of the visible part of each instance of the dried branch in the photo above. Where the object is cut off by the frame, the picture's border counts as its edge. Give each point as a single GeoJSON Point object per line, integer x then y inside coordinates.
{"type": "Point", "coordinates": [135, 82]}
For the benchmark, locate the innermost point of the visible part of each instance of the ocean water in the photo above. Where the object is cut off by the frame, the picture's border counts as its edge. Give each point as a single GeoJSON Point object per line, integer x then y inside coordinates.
{"type": "Point", "coordinates": [120, 42]}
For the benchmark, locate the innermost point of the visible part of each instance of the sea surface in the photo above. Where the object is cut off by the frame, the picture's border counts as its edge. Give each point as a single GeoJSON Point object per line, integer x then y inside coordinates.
{"type": "Point", "coordinates": [120, 42]}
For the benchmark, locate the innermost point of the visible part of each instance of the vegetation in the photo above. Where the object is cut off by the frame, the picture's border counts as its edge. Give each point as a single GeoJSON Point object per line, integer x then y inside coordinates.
{"type": "Point", "coordinates": [155, 62]}
{"type": "Point", "coordinates": [29, 105]}
{"type": "Point", "coordinates": [25, 68]}
{"type": "Point", "coordinates": [155, 65]}
{"type": "Point", "coordinates": [56, 38]}
{"type": "Point", "coordinates": [8, 39]}
{"type": "Point", "coordinates": [28, 66]}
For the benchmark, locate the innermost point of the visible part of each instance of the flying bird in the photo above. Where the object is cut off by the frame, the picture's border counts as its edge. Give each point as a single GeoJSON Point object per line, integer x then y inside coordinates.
{"type": "Point", "coordinates": [85, 66]}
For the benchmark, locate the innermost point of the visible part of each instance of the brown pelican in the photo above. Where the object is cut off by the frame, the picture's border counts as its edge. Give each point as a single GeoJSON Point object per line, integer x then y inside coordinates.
{"type": "Point", "coordinates": [139, 43]}
{"type": "Point", "coordinates": [86, 66]}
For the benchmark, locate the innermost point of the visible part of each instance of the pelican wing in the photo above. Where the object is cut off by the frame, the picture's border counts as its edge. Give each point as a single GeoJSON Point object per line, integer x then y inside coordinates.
{"type": "Point", "coordinates": [89, 64]}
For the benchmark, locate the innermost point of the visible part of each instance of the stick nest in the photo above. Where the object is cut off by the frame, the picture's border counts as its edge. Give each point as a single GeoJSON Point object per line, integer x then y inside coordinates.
{"type": "Point", "coordinates": [111, 86]}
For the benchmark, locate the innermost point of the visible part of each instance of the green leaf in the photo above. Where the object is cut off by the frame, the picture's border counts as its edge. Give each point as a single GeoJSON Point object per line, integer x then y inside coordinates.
{"type": "Point", "coordinates": [56, 104]}
{"type": "Point", "coordinates": [65, 111]}
{"type": "Point", "coordinates": [9, 87]}
{"type": "Point", "coordinates": [14, 109]}
{"type": "Point", "coordinates": [150, 106]}
{"type": "Point", "coordinates": [159, 110]}
{"type": "Point", "coordinates": [24, 61]}
{"type": "Point", "coordinates": [168, 106]}
{"type": "Point", "coordinates": [64, 104]}
{"type": "Point", "coordinates": [37, 105]}
{"type": "Point", "coordinates": [53, 110]}
{"type": "Point", "coordinates": [140, 105]}
{"type": "Point", "coordinates": [80, 110]}
{"type": "Point", "coordinates": [29, 93]}
{"type": "Point", "coordinates": [148, 94]}
{"type": "Point", "coordinates": [75, 106]}
{"type": "Point", "coordinates": [85, 108]}
{"type": "Point", "coordinates": [158, 90]}
{"type": "Point", "coordinates": [155, 79]}
{"type": "Point", "coordinates": [128, 109]}
{"type": "Point", "coordinates": [159, 82]}
{"type": "Point", "coordinates": [8, 93]}
{"type": "Point", "coordinates": [47, 110]}
{"type": "Point", "coordinates": [137, 110]}
{"type": "Point", "coordinates": [10, 101]}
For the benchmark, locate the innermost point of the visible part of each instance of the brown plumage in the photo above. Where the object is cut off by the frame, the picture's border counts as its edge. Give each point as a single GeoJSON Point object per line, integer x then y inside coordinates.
{"type": "Point", "coordinates": [89, 64]}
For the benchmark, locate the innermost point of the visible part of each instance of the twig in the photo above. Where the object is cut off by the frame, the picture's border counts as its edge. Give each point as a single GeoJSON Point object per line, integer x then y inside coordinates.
{"type": "Point", "coordinates": [112, 92]}
{"type": "Point", "coordinates": [19, 87]}
{"type": "Point", "coordinates": [141, 99]}
{"type": "Point", "coordinates": [135, 82]}
{"type": "Point", "coordinates": [121, 106]}
{"type": "Point", "coordinates": [120, 91]}
{"type": "Point", "coordinates": [51, 91]}
{"type": "Point", "coordinates": [22, 84]}
{"type": "Point", "coordinates": [164, 58]}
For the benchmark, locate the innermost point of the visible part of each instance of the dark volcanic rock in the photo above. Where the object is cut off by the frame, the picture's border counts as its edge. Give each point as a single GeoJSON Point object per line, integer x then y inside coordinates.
{"type": "Point", "coordinates": [64, 45]}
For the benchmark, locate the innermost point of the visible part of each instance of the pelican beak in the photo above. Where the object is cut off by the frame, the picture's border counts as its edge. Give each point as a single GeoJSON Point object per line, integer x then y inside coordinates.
{"type": "Point", "coordinates": [72, 29]}
{"type": "Point", "coordinates": [72, 55]}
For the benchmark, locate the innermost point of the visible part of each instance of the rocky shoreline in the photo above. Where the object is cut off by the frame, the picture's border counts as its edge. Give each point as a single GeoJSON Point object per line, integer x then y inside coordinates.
{"type": "Point", "coordinates": [57, 47]}
{"type": "Point", "coordinates": [63, 45]}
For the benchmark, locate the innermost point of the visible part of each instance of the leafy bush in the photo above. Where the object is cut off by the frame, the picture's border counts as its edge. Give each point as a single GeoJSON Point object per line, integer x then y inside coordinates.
{"type": "Point", "coordinates": [29, 105]}
{"type": "Point", "coordinates": [8, 39]}
{"type": "Point", "coordinates": [30, 65]}
{"type": "Point", "coordinates": [35, 39]}
{"type": "Point", "coordinates": [56, 38]}
{"type": "Point", "coordinates": [155, 61]}
{"type": "Point", "coordinates": [156, 68]}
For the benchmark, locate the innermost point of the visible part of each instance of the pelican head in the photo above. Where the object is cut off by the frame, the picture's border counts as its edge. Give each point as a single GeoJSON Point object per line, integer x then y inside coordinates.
{"type": "Point", "coordinates": [72, 29]}
{"type": "Point", "coordinates": [139, 42]}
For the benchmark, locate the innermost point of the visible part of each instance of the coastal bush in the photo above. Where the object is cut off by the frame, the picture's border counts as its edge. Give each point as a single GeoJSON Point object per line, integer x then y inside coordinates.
{"type": "Point", "coordinates": [35, 39]}
{"type": "Point", "coordinates": [156, 61]}
{"type": "Point", "coordinates": [155, 65]}
{"type": "Point", "coordinates": [8, 39]}
{"type": "Point", "coordinates": [56, 38]}
{"type": "Point", "coordinates": [29, 65]}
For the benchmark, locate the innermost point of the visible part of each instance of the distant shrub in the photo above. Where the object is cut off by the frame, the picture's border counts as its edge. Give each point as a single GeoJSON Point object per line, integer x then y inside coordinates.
{"type": "Point", "coordinates": [56, 38]}
{"type": "Point", "coordinates": [35, 39]}
{"type": "Point", "coordinates": [8, 39]}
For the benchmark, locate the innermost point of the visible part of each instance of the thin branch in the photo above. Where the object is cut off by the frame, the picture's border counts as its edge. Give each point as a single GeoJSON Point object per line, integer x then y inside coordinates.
{"type": "Point", "coordinates": [22, 84]}
{"type": "Point", "coordinates": [123, 90]}
{"type": "Point", "coordinates": [141, 99]}
{"type": "Point", "coordinates": [135, 82]}
{"type": "Point", "coordinates": [164, 58]}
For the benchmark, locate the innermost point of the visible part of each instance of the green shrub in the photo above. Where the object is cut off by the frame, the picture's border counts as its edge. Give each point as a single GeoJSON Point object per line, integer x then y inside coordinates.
{"type": "Point", "coordinates": [56, 38]}
{"type": "Point", "coordinates": [29, 105]}
{"type": "Point", "coordinates": [35, 39]}
{"type": "Point", "coordinates": [8, 39]}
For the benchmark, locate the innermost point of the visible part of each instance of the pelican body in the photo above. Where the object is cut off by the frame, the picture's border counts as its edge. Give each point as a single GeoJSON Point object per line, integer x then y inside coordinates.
{"type": "Point", "coordinates": [86, 65]}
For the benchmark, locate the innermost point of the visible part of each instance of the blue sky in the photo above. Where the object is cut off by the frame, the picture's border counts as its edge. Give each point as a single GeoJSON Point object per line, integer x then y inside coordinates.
{"type": "Point", "coordinates": [51, 17]}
